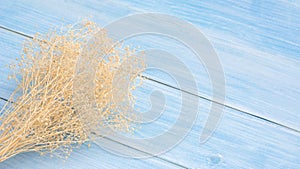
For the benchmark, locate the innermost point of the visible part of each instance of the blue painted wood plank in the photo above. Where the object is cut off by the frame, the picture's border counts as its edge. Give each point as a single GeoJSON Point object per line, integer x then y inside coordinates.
{"type": "Point", "coordinates": [240, 141]}
{"type": "Point", "coordinates": [7, 57]}
{"type": "Point", "coordinates": [90, 157]}
{"type": "Point", "coordinates": [257, 42]}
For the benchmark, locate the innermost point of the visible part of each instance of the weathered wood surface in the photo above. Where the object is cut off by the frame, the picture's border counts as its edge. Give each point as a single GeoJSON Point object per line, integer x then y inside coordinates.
{"type": "Point", "coordinates": [257, 42]}
{"type": "Point", "coordinates": [258, 46]}
{"type": "Point", "coordinates": [240, 141]}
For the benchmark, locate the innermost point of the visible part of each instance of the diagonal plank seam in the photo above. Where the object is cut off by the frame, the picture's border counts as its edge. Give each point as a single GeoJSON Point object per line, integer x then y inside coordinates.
{"type": "Point", "coordinates": [104, 137]}
{"type": "Point", "coordinates": [128, 146]}
{"type": "Point", "coordinates": [226, 105]}
{"type": "Point", "coordinates": [196, 95]}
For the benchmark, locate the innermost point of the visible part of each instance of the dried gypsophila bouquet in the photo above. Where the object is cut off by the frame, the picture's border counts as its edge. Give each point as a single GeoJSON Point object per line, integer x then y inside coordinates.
{"type": "Point", "coordinates": [42, 115]}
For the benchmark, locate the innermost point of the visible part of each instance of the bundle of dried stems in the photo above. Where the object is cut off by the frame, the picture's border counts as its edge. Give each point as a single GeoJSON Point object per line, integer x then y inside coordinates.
{"type": "Point", "coordinates": [42, 116]}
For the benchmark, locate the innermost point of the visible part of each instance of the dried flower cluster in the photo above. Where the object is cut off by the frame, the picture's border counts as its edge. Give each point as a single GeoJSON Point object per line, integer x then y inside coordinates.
{"type": "Point", "coordinates": [44, 116]}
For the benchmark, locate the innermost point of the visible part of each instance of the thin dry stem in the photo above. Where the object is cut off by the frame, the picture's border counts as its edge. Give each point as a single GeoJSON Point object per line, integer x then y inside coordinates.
{"type": "Point", "coordinates": [43, 117]}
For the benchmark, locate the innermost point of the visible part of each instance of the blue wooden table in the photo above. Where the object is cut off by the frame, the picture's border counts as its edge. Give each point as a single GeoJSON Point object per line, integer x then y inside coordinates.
{"type": "Point", "coordinates": [258, 44]}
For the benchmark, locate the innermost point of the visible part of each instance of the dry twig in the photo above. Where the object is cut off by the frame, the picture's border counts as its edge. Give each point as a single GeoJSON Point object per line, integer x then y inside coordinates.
{"type": "Point", "coordinates": [43, 116]}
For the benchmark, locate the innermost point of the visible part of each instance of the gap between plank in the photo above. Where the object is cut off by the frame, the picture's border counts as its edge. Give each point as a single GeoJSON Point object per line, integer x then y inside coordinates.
{"type": "Point", "coordinates": [185, 91]}
{"type": "Point", "coordinates": [152, 155]}
{"type": "Point", "coordinates": [225, 105]}
{"type": "Point", "coordinates": [115, 141]}
{"type": "Point", "coordinates": [107, 138]}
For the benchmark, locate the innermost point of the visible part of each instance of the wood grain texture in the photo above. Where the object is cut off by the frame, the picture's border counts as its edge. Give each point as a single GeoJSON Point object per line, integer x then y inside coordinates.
{"type": "Point", "coordinates": [241, 141]}
{"type": "Point", "coordinates": [93, 157]}
{"type": "Point", "coordinates": [86, 157]}
{"type": "Point", "coordinates": [257, 42]}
